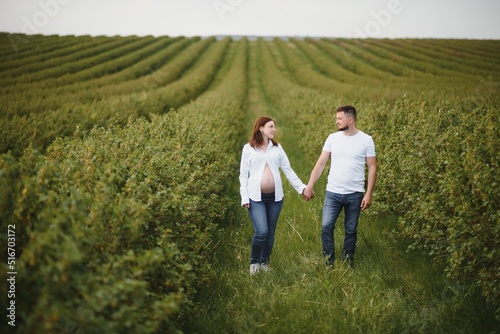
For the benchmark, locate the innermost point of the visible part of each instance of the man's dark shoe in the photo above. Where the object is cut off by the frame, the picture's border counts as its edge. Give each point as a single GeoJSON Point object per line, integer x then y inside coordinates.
{"type": "Point", "coordinates": [349, 259]}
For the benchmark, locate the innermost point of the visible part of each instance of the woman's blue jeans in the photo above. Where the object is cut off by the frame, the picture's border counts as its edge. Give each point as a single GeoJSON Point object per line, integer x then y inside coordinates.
{"type": "Point", "coordinates": [264, 216]}
{"type": "Point", "coordinates": [333, 205]}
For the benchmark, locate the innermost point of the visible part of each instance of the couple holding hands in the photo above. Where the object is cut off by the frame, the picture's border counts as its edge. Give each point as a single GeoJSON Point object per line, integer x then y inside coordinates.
{"type": "Point", "coordinates": [261, 188]}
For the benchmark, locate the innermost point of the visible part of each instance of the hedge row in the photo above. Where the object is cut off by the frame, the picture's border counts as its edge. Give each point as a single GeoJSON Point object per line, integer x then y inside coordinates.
{"type": "Point", "coordinates": [439, 172]}
{"type": "Point", "coordinates": [21, 50]}
{"type": "Point", "coordinates": [116, 226]}
{"type": "Point", "coordinates": [78, 61]}
{"type": "Point", "coordinates": [18, 131]}
{"type": "Point", "coordinates": [142, 75]}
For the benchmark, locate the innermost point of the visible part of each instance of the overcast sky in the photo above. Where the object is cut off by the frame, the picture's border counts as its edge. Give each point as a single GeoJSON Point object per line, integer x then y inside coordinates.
{"type": "Point", "coordinates": [478, 19]}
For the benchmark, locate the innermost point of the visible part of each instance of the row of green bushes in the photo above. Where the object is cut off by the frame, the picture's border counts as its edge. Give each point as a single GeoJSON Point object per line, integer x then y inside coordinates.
{"type": "Point", "coordinates": [193, 83]}
{"type": "Point", "coordinates": [346, 60]}
{"type": "Point", "coordinates": [57, 67]}
{"type": "Point", "coordinates": [159, 69]}
{"type": "Point", "coordinates": [160, 77]}
{"type": "Point", "coordinates": [467, 61]}
{"type": "Point", "coordinates": [385, 63]}
{"type": "Point", "coordinates": [38, 115]}
{"type": "Point", "coordinates": [327, 65]}
{"type": "Point", "coordinates": [107, 64]}
{"type": "Point", "coordinates": [155, 61]}
{"type": "Point", "coordinates": [40, 129]}
{"type": "Point", "coordinates": [439, 174]}
{"type": "Point", "coordinates": [360, 79]}
{"type": "Point", "coordinates": [306, 75]}
{"type": "Point", "coordinates": [114, 226]}
{"type": "Point", "coordinates": [16, 48]}
{"type": "Point", "coordinates": [412, 57]}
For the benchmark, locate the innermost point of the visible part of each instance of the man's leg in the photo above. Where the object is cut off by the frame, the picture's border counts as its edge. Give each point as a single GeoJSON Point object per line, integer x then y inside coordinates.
{"type": "Point", "coordinates": [331, 210]}
{"type": "Point", "coordinates": [352, 204]}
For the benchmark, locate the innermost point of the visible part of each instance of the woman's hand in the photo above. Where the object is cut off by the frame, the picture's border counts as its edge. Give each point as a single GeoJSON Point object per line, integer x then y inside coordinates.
{"type": "Point", "coordinates": [247, 205]}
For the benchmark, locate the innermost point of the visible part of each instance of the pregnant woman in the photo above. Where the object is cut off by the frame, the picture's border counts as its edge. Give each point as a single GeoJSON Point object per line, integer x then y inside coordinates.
{"type": "Point", "coordinates": [261, 188]}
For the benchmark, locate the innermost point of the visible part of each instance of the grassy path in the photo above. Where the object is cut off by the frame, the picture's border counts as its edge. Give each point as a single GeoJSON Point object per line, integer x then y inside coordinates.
{"type": "Point", "coordinates": [391, 290]}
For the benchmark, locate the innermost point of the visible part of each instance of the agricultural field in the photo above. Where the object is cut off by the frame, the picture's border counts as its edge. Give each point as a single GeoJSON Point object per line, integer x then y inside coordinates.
{"type": "Point", "coordinates": [119, 195]}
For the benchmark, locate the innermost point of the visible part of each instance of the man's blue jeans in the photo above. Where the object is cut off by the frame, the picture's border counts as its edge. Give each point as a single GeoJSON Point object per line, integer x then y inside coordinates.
{"type": "Point", "coordinates": [334, 203]}
{"type": "Point", "coordinates": [264, 216]}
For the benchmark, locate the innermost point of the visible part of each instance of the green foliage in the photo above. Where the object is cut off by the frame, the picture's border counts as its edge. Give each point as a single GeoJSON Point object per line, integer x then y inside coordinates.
{"type": "Point", "coordinates": [117, 236]}
{"type": "Point", "coordinates": [74, 63]}
{"type": "Point", "coordinates": [437, 170]}
{"type": "Point", "coordinates": [306, 75]}
{"type": "Point", "coordinates": [118, 221]}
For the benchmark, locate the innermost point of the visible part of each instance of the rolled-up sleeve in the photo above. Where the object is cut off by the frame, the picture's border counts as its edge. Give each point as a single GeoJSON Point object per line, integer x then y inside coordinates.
{"type": "Point", "coordinates": [244, 176]}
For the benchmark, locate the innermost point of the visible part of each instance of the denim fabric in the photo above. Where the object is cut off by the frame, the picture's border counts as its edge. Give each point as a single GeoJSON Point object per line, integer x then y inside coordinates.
{"type": "Point", "coordinates": [333, 205]}
{"type": "Point", "coordinates": [264, 215]}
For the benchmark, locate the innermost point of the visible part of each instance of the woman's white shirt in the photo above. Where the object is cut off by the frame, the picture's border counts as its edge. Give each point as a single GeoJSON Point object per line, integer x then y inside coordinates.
{"type": "Point", "coordinates": [253, 162]}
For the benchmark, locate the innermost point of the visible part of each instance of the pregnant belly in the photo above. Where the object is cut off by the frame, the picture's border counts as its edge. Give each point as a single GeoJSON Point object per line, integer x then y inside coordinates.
{"type": "Point", "coordinates": [267, 181]}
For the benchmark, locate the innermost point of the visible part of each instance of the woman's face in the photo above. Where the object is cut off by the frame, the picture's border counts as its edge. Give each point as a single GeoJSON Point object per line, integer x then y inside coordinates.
{"type": "Point", "coordinates": [268, 130]}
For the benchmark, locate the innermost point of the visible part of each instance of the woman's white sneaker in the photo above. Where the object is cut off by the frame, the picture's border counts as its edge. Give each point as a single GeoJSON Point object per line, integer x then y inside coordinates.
{"type": "Point", "coordinates": [254, 268]}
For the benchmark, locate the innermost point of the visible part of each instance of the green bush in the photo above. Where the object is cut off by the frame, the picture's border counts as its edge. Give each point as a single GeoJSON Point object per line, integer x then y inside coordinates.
{"type": "Point", "coordinates": [116, 228]}
{"type": "Point", "coordinates": [118, 222]}
{"type": "Point", "coordinates": [437, 170]}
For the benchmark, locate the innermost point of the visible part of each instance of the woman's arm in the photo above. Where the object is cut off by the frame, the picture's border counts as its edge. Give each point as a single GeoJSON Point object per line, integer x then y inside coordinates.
{"type": "Point", "coordinates": [290, 174]}
{"type": "Point", "coordinates": [244, 175]}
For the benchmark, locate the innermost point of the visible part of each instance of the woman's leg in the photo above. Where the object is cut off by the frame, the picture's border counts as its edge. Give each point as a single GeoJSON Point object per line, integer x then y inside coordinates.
{"type": "Point", "coordinates": [258, 215]}
{"type": "Point", "coordinates": [273, 210]}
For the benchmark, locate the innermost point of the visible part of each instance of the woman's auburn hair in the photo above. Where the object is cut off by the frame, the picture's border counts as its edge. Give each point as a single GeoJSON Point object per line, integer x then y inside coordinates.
{"type": "Point", "coordinates": [257, 139]}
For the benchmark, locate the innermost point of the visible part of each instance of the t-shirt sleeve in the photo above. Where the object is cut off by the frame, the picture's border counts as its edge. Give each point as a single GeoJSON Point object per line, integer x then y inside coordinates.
{"type": "Point", "coordinates": [370, 149]}
{"type": "Point", "coordinates": [328, 144]}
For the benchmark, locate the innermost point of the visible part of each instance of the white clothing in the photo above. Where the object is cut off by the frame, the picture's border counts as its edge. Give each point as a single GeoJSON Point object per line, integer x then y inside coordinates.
{"type": "Point", "coordinates": [348, 159]}
{"type": "Point", "coordinates": [253, 162]}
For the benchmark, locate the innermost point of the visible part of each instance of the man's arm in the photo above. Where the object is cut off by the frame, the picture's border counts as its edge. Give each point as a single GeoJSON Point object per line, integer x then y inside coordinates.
{"type": "Point", "coordinates": [371, 162]}
{"type": "Point", "coordinates": [316, 173]}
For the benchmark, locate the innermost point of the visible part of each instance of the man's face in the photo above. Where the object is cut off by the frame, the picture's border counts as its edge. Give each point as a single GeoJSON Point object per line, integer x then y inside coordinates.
{"type": "Point", "coordinates": [342, 121]}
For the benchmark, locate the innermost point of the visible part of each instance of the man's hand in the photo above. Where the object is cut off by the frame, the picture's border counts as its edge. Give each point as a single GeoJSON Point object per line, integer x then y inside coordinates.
{"type": "Point", "coordinates": [308, 193]}
{"type": "Point", "coordinates": [366, 202]}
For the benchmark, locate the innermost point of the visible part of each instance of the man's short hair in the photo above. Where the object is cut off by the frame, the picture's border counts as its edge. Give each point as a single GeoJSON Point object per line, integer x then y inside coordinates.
{"type": "Point", "coordinates": [348, 110]}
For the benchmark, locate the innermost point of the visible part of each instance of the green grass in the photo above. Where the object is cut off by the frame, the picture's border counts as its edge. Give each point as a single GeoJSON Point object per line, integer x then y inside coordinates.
{"type": "Point", "coordinates": [390, 291]}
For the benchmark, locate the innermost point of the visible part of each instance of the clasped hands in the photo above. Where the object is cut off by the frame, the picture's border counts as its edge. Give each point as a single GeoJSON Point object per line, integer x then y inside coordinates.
{"type": "Point", "coordinates": [308, 193]}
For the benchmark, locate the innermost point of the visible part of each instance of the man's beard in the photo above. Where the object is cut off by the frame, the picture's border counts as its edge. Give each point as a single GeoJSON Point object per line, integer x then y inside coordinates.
{"type": "Point", "coordinates": [344, 128]}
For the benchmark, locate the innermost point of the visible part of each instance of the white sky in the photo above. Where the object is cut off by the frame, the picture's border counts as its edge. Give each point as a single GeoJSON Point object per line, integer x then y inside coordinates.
{"type": "Point", "coordinates": [471, 19]}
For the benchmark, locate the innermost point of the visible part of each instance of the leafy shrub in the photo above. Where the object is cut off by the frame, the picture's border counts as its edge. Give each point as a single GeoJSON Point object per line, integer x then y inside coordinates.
{"type": "Point", "coordinates": [116, 229]}
{"type": "Point", "coordinates": [118, 222]}
{"type": "Point", "coordinates": [437, 171]}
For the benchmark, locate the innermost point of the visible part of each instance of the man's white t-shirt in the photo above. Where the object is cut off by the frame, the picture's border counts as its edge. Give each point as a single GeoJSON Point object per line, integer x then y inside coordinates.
{"type": "Point", "coordinates": [348, 159]}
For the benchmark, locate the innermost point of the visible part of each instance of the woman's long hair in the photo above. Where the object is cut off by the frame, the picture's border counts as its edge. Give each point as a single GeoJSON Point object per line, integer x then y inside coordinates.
{"type": "Point", "coordinates": [257, 138]}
